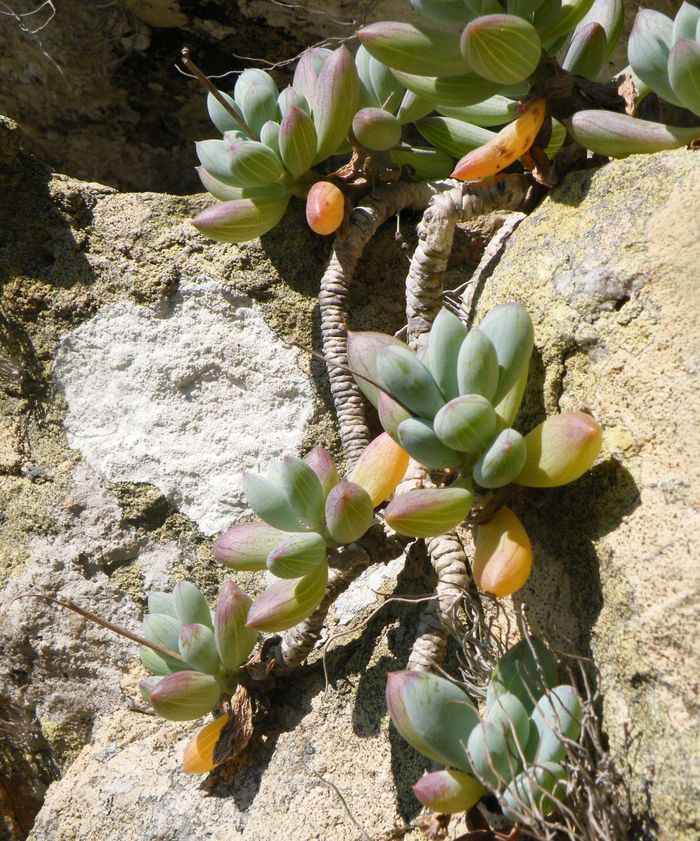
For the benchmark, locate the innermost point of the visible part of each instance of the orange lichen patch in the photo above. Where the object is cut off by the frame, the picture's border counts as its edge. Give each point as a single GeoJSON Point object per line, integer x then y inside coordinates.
{"type": "Point", "coordinates": [198, 756]}
{"type": "Point", "coordinates": [507, 146]}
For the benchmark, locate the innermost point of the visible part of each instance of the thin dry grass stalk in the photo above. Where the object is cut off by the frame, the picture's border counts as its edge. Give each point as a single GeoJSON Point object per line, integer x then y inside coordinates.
{"type": "Point", "coordinates": [595, 805]}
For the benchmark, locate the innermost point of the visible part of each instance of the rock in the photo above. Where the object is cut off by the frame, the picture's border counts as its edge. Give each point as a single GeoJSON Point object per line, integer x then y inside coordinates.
{"type": "Point", "coordinates": [128, 783]}
{"type": "Point", "coordinates": [186, 400]}
{"type": "Point", "coordinates": [95, 88]}
{"type": "Point", "coordinates": [608, 268]}
{"type": "Point", "coordinates": [615, 332]}
{"type": "Point", "coordinates": [26, 769]}
{"type": "Point", "coordinates": [101, 288]}
{"type": "Point", "coordinates": [62, 668]}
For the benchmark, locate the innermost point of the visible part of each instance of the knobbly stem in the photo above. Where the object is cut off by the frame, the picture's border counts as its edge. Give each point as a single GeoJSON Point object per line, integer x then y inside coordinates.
{"type": "Point", "coordinates": [333, 299]}
{"type": "Point", "coordinates": [349, 563]}
{"type": "Point", "coordinates": [448, 558]}
{"type": "Point", "coordinates": [435, 237]}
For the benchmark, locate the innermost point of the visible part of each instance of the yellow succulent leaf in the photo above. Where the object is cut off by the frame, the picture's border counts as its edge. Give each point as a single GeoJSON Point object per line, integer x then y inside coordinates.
{"type": "Point", "coordinates": [380, 468]}
{"type": "Point", "coordinates": [198, 756]}
{"type": "Point", "coordinates": [503, 555]}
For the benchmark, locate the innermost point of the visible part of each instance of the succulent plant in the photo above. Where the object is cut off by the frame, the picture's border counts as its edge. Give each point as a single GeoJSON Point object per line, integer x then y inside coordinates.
{"type": "Point", "coordinates": [488, 84]}
{"type": "Point", "coordinates": [664, 57]}
{"type": "Point", "coordinates": [516, 751]}
{"type": "Point", "coordinates": [473, 66]}
{"type": "Point", "coordinates": [487, 52]}
{"type": "Point", "coordinates": [306, 510]}
{"type": "Point", "coordinates": [665, 54]}
{"type": "Point", "coordinates": [271, 140]}
{"type": "Point", "coordinates": [452, 410]}
{"type": "Point", "coordinates": [213, 645]}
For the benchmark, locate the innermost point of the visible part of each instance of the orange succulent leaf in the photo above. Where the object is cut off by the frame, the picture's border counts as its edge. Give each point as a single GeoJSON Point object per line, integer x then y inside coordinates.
{"type": "Point", "coordinates": [325, 208]}
{"type": "Point", "coordinates": [560, 450]}
{"type": "Point", "coordinates": [502, 555]}
{"type": "Point", "coordinates": [198, 756]}
{"type": "Point", "coordinates": [507, 146]}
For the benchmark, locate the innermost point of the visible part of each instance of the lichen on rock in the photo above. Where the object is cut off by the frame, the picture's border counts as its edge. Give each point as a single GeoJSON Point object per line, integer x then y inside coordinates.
{"type": "Point", "coordinates": [608, 268]}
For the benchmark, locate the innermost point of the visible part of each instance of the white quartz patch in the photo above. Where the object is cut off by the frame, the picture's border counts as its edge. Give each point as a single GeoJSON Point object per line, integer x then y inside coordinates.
{"type": "Point", "coordinates": [186, 400]}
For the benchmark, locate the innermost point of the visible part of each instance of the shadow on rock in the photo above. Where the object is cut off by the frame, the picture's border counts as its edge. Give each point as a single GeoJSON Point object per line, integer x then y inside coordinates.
{"type": "Point", "coordinates": [41, 257]}
{"type": "Point", "coordinates": [241, 778]}
{"type": "Point", "coordinates": [574, 188]}
{"type": "Point", "coordinates": [564, 597]}
{"type": "Point", "coordinates": [26, 770]}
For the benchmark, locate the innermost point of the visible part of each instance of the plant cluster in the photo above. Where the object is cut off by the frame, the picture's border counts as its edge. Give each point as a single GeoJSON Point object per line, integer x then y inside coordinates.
{"type": "Point", "coordinates": [483, 87]}
{"type": "Point", "coordinates": [530, 67]}
{"type": "Point", "coordinates": [665, 55]}
{"type": "Point", "coordinates": [452, 410]}
{"type": "Point", "coordinates": [305, 511]}
{"type": "Point", "coordinates": [487, 85]}
{"type": "Point", "coordinates": [516, 751]}
{"type": "Point", "coordinates": [207, 649]}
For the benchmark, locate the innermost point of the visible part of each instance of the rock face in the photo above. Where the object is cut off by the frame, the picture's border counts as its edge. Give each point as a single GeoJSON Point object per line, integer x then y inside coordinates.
{"type": "Point", "coordinates": [184, 400]}
{"type": "Point", "coordinates": [608, 268]}
{"type": "Point", "coordinates": [97, 290]}
{"type": "Point", "coordinates": [130, 341]}
{"type": "Point", "coordinates": [95, 88]}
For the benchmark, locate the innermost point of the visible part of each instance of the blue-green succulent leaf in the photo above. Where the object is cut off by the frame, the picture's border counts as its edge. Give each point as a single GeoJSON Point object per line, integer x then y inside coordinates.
{"type": "Point", "coordinates": [509, 327]}
{"type": "Point", "coordinates": [446, 337]}
{"type": "Point", "coordinates": [433, 715]}
{"type": "Point", "coordinates": [418, 438]}
{"type": "Point", "coordinates": [297, 141]}
{"type": "Point", "coordinates": [412, 49]}
{"type": "Point", "coordinates": [494, 111]}
{"type": "Point", "coordinates": [557, 718]}
{"type": "Point", "coordinates": [649, 48]}
{"type": "Point", "coordinates": [502, 460]}
{"type": "Point", "coordinates": [587, 51]}
{"type": "Point", "coordinates": [256, 95]}
{"type": "Point", "coordinates": [454, 137]}
{"type": "Point", "coordinates": [409, 381]}
{"type": "Point", "coordinates": [159, 602]}
{"type": "Point", "coordinates": [684, 73]}
{"type": "Point", "coordinates": [534, 790]}
{"type": "Point", "coordinates": [303, 490]}
{"type": "Point", "coordinates": [686, 22]}
{"type": "Point", "coordinates": [610, 14]}
{"type": "Point", "coordinates": [336, 97]}
{"type": "Point", "coordinates": [190, 605]}
{"type": "Point", "coordinates": [221, 117]}
{"type": "Point", "coordinates": [504, 49]}
{"type": "Point", "coordinates": [477, 365]}
{"type": "Point", "coordinates": [198, 647]}
{"type": "Point", "coordinates": [467, 423]}
{"type": "Point", "coordinates": [254, 164]}
{"type": "Point", "coordinates": [526, 671]}
{"type": "Point", "coordinates": [213, 156]}
{"type": "Point", "coordinates": [269, 501]}
{"type": "Point", "coordinates": [463, 90]}
{"type": "Point", "coordinates": [494, 762]}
